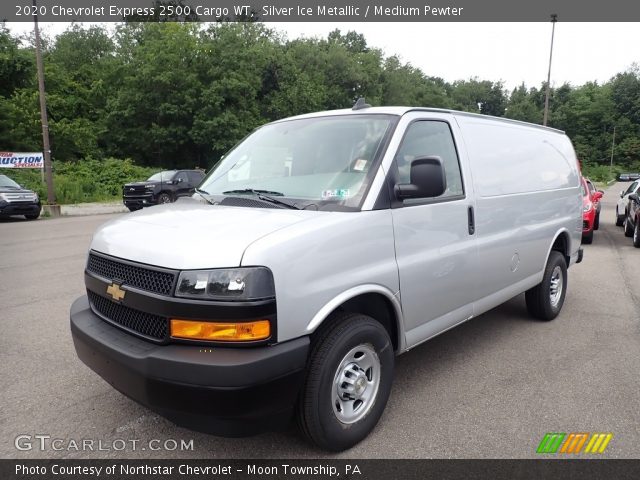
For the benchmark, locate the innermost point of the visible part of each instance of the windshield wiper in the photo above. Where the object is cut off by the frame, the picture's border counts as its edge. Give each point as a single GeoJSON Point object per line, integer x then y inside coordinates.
{"type": "Point", "coordinates": [262, 195]}
{"type": "Point", "coordinates": [254, 191]}
{"type": "Point", "coordinates": [203, 193]}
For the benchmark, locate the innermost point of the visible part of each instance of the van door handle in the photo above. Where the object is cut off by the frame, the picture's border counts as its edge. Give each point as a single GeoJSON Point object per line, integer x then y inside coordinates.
{"type": "Point", "coordinates": [472, 221]}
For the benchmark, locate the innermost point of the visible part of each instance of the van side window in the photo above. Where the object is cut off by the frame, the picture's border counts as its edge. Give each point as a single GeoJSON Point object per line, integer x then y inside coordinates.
{"type": "Point", "coordinates": [428, 138]}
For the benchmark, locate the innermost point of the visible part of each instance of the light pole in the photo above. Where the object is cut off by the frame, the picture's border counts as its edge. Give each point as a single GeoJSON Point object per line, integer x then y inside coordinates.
{"type": "Point", "coordinates": [613, 144]}
{"type": "Point", "coordinates": [51, 197]}
{"type": "Point", "coordinates": [554, 19]}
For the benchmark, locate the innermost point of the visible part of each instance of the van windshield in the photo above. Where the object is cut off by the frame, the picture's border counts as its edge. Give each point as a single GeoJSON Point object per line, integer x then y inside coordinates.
{"type": "Point", "coordinates": [325, 162]}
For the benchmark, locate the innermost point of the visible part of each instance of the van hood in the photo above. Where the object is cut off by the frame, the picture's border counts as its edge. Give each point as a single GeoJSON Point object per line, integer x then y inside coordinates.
{"type": "Point", "coordinates": [190, 235]}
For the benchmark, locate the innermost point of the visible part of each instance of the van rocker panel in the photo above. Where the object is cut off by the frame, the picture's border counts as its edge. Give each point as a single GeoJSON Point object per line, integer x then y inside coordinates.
{"type": "Point", "coordinates": [225, 391]}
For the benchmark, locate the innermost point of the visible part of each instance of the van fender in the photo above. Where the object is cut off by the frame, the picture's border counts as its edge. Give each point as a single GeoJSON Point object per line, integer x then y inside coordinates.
{"type": "Point", "coordinates": [338, 300]}
{"type": "Point", "coordinates": [566, 253]}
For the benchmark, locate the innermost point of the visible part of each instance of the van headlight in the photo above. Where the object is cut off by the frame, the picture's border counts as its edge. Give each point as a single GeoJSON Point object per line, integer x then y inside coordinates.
{"type": "Point", "coordinates": [233, 284]}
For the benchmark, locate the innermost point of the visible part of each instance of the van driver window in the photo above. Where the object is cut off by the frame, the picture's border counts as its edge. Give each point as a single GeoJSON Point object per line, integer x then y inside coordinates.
{"type": "Point", "coordinates": [429, 138]}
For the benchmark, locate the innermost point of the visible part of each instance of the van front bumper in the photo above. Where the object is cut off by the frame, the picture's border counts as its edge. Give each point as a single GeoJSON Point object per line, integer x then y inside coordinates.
{"type": "Point", "coordinates": [225, 391]}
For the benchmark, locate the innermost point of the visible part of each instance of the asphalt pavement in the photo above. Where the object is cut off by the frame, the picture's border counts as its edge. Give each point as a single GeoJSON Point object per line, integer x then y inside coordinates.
{"type": "Point", "coordinates": [491, 388]}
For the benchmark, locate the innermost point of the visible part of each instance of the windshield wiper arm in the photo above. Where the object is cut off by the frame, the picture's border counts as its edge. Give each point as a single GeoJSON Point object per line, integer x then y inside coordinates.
{"type": "Point", "coordinates": [203, 193]}
{"type": "Point", "coordinates": [262, 195]}
{"type": "Point", "coordinates": [254, 191]}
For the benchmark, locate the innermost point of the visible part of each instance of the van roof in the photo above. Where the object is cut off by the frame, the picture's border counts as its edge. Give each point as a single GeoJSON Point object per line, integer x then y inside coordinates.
{"type": "Point", "coordinates": [399, 111]}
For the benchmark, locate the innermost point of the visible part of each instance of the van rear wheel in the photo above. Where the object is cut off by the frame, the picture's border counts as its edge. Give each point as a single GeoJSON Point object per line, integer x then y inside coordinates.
{"type": "Point", "coordinates": [545, 300]}
{"type": "Point", "coordinates": [348, 382]}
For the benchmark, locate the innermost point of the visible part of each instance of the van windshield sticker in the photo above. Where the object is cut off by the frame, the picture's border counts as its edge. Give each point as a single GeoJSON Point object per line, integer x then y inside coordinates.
{"type": "Point", "coordinates": [360, 165]}
{"type": "Point", "coordinates": [338, 194]}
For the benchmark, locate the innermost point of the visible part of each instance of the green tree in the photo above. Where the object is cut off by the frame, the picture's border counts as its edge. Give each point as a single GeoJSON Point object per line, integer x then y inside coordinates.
{"type": "Point", "coordinates": [156, 95]}
{"type": "Point", "coordinates": [478, 96]}
{"type": "Point", "coordinates": [522, 106]}
{"type": "Point", "coordinates": [403, 84]}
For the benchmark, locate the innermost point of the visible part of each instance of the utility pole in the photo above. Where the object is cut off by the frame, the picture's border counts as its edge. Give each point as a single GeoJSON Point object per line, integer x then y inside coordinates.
{"type": "Point", "coordinates": [51, 197]}
{"type": "Point", "coordinates": [554, 19]}
{"type": "Point", "coordinates": [613, 144]}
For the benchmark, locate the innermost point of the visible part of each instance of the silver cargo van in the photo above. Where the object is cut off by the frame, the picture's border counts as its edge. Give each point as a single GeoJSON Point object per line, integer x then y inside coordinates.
{"type": "Point", "coordinates": [317, 250]}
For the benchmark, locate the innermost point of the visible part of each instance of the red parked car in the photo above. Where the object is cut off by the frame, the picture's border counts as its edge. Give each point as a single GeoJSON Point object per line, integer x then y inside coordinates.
{"type": "Point", "coordinates": [589, 203]}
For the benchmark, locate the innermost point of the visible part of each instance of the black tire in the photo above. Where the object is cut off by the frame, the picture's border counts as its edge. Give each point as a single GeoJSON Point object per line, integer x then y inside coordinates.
{"type": "Point", "coordinates": [596, 222]}
{"type": "Point", "coordinates": [587, 238]}
{"type": "Point", "coordinates": [318, 410]}
{"type": "Point", "coordinates": [164, 197]}
{"type": "Point", "coordinates": [32, 216]}
{"type": "Point", "coordinates": [619, 219]}
{"type": "Point", "coordinates": [636, 234]}
{"type": "Point", "coordinates": [539, 298]}
{"type": "Point", "coordinates": [628, 229]}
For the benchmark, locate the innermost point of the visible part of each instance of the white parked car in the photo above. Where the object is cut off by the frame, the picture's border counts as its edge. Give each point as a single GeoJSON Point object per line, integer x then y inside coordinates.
{"type": "Point", "coordinates": [621, 207]}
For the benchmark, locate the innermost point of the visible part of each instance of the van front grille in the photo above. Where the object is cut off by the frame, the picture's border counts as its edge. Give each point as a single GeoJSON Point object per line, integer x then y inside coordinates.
{"type": "Point", "coordinates": [149, 279]}
{"type": "Point", "coordinates": [146, 324]}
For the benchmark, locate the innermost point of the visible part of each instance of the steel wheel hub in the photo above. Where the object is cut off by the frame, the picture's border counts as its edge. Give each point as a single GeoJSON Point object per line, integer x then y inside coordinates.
{"type": "Point", "coordinates": [555, 288]}
{"type": "Point", "coordinates": [356, 384]}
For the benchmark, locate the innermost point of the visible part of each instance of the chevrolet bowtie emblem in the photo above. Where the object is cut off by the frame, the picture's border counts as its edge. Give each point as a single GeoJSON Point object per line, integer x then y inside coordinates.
{"type": "Point", "coordinates": [116, 292]}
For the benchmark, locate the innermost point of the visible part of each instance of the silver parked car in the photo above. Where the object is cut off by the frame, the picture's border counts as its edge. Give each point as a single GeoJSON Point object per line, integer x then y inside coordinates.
{"type": "Point", "coordinates": [622, 205]}
{"type": "Point", "coordinates": [317, 250]}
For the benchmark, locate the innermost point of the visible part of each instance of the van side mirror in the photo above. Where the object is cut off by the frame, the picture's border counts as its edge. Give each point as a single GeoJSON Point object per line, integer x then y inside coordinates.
{"type": "Point", "coordinates": [427, 179]}
{"type": "Point", "coordinates": [621, 193]}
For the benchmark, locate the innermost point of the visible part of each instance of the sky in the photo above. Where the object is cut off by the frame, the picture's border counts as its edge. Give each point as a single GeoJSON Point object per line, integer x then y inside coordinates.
{"type": "Point", "coordinates": [513, 53]}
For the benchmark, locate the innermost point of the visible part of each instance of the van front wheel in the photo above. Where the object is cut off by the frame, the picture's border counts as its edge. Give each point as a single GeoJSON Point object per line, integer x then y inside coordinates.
{"type": "Point", "coordinates": [544, 301]}
{"type": "Point", "coordinates": [349, 377]}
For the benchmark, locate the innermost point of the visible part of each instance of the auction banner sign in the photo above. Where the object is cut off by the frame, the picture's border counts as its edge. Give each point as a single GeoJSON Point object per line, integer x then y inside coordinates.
{"type": "Point", "coordinates": [21, 160]}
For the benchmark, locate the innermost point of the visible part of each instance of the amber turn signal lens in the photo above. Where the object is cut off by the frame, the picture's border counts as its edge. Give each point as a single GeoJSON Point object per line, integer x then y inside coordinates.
{"type": "Point", "coordinates": [220, 332]}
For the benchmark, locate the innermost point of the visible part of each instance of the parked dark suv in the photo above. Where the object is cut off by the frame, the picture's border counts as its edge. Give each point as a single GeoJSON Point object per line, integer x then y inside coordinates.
{"type": "Point", "coordinates": [16, 200]}
{"type": "Point", "coordinates": [162, 187]}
